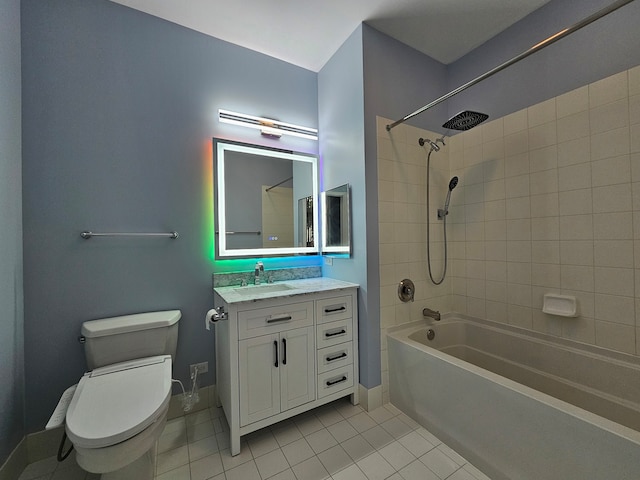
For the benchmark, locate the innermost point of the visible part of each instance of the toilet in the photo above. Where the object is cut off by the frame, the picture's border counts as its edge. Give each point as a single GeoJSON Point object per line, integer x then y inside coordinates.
{"type": "Point", "coordinates": [119, 408]}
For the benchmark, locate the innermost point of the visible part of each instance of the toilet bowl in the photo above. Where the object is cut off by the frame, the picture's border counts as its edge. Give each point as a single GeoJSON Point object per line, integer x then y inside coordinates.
{"type": "Point", "coordinates": [119, 408]}
{"type": "Point", "coordinates": [117, 414]}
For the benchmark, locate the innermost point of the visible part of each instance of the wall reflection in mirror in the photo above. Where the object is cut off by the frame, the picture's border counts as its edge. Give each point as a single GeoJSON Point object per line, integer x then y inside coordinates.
{"type": "Point", "coordinates": [265, 201]}
{"type": "Point", "coordinates": [336, 221]}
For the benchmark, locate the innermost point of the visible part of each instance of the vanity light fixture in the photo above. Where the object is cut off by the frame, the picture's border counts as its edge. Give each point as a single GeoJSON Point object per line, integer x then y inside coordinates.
{"type": "Point", "coordinates": [267, 126]}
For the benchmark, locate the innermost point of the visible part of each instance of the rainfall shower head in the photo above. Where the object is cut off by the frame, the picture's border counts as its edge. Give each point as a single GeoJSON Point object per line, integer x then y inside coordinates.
{"type": "Point", "coordinates": [465, 120]}
{"type": "Point", "coordinates": [434, 146]}
{"type": "Point", "coordinates": [453, 183]}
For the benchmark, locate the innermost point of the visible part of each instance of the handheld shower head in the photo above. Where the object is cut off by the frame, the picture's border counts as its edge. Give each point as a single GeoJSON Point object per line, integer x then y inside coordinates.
{"type": "Point", "coordinates": [434, 146]}
{"type": "Point", "coordinates": [452, 184]}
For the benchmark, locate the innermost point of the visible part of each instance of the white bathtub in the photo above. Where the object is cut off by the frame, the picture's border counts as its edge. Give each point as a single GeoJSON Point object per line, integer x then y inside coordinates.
{"type": "Point", "coordinates": [472, 386]}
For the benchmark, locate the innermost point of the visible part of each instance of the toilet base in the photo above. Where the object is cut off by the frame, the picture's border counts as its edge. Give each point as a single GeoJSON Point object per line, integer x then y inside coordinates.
{"type": "Point", "coordinates": [142, 469]}
{"type": "Point", "coordinates": [132, 459]}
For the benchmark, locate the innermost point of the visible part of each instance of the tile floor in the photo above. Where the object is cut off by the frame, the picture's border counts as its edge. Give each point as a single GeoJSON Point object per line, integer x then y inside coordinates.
{"type": "Point", "coordinates": [337, 442]}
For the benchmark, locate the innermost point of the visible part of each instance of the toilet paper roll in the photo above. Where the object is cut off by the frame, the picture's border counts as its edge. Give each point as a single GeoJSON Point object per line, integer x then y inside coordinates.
{"type": "Point", "coordinates": [208, 318]}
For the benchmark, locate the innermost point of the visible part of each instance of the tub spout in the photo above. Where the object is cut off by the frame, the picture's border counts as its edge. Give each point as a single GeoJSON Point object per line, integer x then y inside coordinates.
{"type": "Point", "coordinates": [427, 312]}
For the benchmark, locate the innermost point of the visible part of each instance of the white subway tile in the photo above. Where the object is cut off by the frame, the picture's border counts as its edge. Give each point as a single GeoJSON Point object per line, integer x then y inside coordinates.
{"type": "Point", "coordinates": [576, 252]}
{"type": "Point", "coordinates": [495, 210]}
{"type": "Point", "coordinates": [611, 171]}
{"type": "Point", "coordinates": [543, 135]}
{"type": "Point", "coordinates": [493, 130]}
{"type": "Point", "coordinates": [545, 205]}
{"type": "Point", "coordinates": [515, 187]}
{"type": "Point", "coordinates": [613, 198]}
{"type": "Point", "coordinates": [519, 251]}
{"type": "Point", "coordinates": [608, 89]}
{"type": "Point", "coordinates": [493, 150]}
{"type": "Point", "coordinates": [574, 151]}
{"type": "Point", "coordinates": [575, 202]}
{"type": "Point", "coordinates": [519, 272]}
{"type": "Point", "coordinates": [494, 190]}
{"type": "Point", "coordinates": [573, 127]}
{"type": "Point", "coordinates": [519, 294]}
{"type": "Point", "coordinates": [496, 311]}
{"type": "Point", "coordinates": [542, 112]}
{"type": "Point", "coordinates": [615, 309]}
{"type": "Point", "coordinates": [516, 164]}
{"type": "Point", "coordinates": [493, 169]}
{"type": "Point", "coordinates": [575, 177]}
{"type": "Point", "coordinates": [519, 229]}
{"type": "Point", "coordinates": [575, 277]}
{"type": "Point", "coordinates": [543, 158]}
{"type": "Point", "coordinates": [612, 143]}
{"type": "Point", "coordinates": [520, 316]}
{"type": "Point", "coordinates": [544, 182]}
{"type": "Point", "coordinates": [496, 291]}
{"type": "Point", "coordinates": [634, 133]}
{"type": "Point", "coordinates": [613, 226]}
{"type": "Point", "coordinates": [634, 81]}
{"type": "Point", "coordinates": [516, 143]}
{"type": "Point", "coordinates": [576, 227]}
{"type": "Point", "coordinates": [545, 228]}
{"type": "Point", "coordinates": [609, 116]}
{"type": "Point", "coordinates": [496, 271]}
{"type": "Point", "coordinates": [495, 230]}
{"type": "Point", "coordinates": [613, 253]}
{"type": "Point", "coordinates": [545, 275]}
{"type": "Point", "coordinates": [515, 122]}
{"type": "Point", "coordinates": [614, 281]}
{"type": "Point", "coordinates": [518, 208]}
{"type": "Point", "coordinates": [544, 251]}
{"type": "Point", "coordinates": [476, 307]}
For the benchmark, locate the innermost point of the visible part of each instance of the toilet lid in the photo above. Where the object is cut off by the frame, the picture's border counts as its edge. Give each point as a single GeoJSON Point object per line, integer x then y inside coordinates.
{"type": "Point", "coordinates": [116, 402]}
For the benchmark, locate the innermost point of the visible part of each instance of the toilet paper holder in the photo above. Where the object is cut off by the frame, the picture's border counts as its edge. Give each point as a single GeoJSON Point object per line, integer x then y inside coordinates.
{"type": "Point", "coordinates": [214, 315]}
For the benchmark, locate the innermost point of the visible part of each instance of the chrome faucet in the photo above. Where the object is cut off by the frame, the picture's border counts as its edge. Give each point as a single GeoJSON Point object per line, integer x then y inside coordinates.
{"type": "Point", "coordinates": [259, 268]}
{"type": "Point", "coordinates": [427, 312]}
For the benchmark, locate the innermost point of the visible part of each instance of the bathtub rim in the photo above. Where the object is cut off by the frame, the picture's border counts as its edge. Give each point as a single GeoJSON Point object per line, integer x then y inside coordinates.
{"type": "Point", "coordinates": [401, 334]}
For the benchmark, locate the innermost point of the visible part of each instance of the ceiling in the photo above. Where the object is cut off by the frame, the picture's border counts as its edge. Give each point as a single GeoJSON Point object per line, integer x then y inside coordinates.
{"type": "Point", "coordinates": [307, 33]}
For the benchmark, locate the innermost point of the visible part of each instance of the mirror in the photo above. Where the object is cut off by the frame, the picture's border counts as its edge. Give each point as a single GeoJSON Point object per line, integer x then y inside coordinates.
{"type": "Point", "coordinates": [265, 201]}
{"type": "Point", "coordinates": [336, 221]}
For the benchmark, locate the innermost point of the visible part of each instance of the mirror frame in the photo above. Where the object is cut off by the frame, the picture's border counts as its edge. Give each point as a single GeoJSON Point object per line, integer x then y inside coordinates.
{"type": "Point", "coordinates": [220, 147]}
{"type": "Point", "coordinates": [340, 249]}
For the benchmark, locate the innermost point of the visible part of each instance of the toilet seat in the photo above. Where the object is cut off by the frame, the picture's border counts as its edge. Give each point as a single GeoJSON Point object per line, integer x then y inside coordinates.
{"type": "Point", "coordinates": [116, 402]}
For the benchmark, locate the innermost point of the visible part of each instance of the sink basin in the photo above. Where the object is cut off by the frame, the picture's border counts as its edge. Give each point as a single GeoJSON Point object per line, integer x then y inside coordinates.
{"type": "Point", "coordinates": [258, 289]}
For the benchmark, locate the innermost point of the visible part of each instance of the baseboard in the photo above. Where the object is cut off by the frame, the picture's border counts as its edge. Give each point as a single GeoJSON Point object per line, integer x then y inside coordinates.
{"type": "Point", "coordinates": [18, 459]}
{"type": "Point", "coordinates": [370, 398]}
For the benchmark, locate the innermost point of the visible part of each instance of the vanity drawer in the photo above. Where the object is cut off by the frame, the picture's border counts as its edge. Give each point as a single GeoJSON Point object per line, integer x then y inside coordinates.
{"type": "Point", "coordinates": [264, 321]}
{"type": "Point", "coordinates": [335, 380]}
{"type": "Point", "coordinates": [335, 357]}
{"type": "Point", "coordinates": [328, 334]}
{"type": "Point", "coordinates": [332, 309]}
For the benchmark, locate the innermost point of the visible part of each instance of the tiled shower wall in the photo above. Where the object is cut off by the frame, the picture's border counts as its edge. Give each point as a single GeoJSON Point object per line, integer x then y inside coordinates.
{"type": "Point", "coordinates": [552, 204]}
{"type": "Point", "coordinates": [402, 226]}
{"type": "Point", "coordinates": [548, 201]}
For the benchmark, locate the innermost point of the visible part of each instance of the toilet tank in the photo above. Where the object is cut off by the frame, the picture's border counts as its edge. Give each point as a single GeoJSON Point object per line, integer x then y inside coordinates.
{"type": "Point", "coordinates": [118, 339]}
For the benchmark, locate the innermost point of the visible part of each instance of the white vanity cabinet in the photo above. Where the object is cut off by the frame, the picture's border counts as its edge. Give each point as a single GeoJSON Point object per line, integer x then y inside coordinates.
{"type": "Point", "coordinates": [280, 355]}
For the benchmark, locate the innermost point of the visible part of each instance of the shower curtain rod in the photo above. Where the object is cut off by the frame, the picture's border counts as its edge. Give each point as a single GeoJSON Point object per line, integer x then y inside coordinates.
{"type": "Point", "coordinates": [537, 47]}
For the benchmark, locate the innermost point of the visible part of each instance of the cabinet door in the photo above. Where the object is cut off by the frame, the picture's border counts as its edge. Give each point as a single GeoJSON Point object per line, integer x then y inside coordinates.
{"type": "Point", "coordinates": [259, 367]}
{"type": "Point", "coordinates": [297, 372]}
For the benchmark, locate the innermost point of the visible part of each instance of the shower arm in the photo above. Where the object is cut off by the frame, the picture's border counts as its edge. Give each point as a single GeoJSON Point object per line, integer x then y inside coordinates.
{"type": "Point", "coordinates": [537, 47]}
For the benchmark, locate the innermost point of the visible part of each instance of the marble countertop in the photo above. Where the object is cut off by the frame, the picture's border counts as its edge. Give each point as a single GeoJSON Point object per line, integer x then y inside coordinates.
{"type": "Point", "coordinates": [290, 288]}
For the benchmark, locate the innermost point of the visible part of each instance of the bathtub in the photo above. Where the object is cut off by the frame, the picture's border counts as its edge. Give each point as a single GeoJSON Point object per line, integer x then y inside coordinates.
{"type": "Point", "coordinates": [517, 404]}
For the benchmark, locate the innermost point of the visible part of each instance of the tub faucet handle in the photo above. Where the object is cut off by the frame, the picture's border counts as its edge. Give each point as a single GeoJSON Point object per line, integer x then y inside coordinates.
{"type": "Point", "coordinates": [427, 312]}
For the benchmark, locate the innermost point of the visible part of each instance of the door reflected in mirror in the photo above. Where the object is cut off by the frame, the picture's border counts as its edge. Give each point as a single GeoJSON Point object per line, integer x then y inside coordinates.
{"type": "Point", "coordinates": [336, 221]}
{"type": "Point", "coordinates": [265, 201]}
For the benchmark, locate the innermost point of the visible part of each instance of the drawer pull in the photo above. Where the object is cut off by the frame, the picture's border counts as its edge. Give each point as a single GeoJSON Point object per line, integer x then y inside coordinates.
{"type": "Point", "coordinates": [275, 347]}
{"type": "Point", "coordinates": [334, 310]}
{"type": "Point", "coordinates": [333, 334]}
{"type": "Point", "coordinates": [343, 379]}
{"type": "Point", "coordinates": [337, 357]}
{"type": "Point", "coordinates": [279, 319]}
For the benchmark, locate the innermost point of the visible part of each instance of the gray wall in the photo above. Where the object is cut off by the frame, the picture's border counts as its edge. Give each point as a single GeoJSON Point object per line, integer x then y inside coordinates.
{"type": "Point", "coordinates": [341, 112]}
{"type": "Point", "coordinates": [11, 303]}
{"type": "Point", "coordinates": [119, 111]}
{"type": "Point", "coordinates": [605, 47]}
